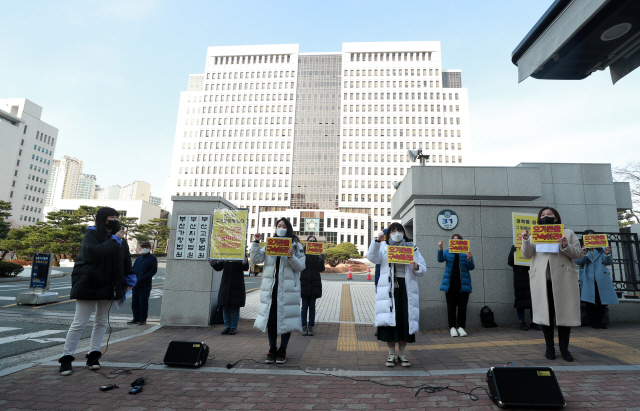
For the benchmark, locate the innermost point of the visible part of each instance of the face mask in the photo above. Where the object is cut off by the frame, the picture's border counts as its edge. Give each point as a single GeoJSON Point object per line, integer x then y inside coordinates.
{"type": "Point", "coordinates": [145, 251]}
{"type": "Point", "coordinates": [397, 237]}
{"type": "Point", "coordinates": [547, 220]}
{"type": "Point", "coordinates": [114, 226]}
{"type": "Point", "coordinates": [281, 232]}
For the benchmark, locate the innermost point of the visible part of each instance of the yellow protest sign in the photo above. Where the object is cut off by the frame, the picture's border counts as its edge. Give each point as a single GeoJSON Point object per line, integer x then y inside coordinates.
{"type": "Point", "coordinates": [595, 241]}
{"type": "Point", "coordinates": [229, 234]}
{"type": "Point", "coordinates": [458, 246]}
{"type": "Point", "coordinates": [314, 248]}
{"type": "Point", "coordinates": [400, 255]}
{"type": "Point", "coordinates": [262, 244]}
{"type": "Point", "coordinates": [521, 222]}
{"type": "Point", "coordinates": [278, 246]}
{"type": "Point", "coordinates": [547, 233]}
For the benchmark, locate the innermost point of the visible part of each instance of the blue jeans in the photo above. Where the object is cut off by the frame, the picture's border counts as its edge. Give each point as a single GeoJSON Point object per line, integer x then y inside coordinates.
{"type": "Point", "coordinates": [231, 315]}
{"type": "Point", "coordinates": [308, 304]}
{"type": "Point", "coordinates": [140, 302]}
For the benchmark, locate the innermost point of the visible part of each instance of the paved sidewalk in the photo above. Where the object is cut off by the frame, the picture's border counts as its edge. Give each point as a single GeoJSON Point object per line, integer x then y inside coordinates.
{"type": "Point", "coordinates": [341, 367]}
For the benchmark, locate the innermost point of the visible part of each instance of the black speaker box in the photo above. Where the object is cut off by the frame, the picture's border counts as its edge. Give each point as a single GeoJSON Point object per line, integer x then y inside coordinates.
{"type": "Point", "coordinates": [524, 387]}
{"type": "Point", "coordinates": [187, 353]}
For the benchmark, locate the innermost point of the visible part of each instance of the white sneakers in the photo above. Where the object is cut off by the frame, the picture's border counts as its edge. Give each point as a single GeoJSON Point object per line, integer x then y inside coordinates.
{"type": "Point", "coordinates": [403, 360]}
{"type": "Point", "coordinates": [462, 332]}
{"type": "Point", "coordinates": [454, 332]}
{"type": "Point", "coordinates": [391, 361]}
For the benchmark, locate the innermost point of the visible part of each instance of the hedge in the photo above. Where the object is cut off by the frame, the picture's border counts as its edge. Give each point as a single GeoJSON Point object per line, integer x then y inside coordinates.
{"type": "Point", "coordinates": [8, 269]}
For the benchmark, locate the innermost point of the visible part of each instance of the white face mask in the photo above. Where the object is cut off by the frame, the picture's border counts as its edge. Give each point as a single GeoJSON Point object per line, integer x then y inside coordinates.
{"type": "Point", "coordinates": [397, 237]}
{"type": "Point", "coordinates": [281, 232]}
{"type": "Point", "coordinates": [145, 251]}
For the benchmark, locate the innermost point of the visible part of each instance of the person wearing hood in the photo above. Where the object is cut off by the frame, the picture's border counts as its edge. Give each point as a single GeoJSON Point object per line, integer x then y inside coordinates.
{"type": "Point", "coordinates": [311, 288]}
{"type": "Point", "coordinates": [101, 275]}
{"type": "Point", "coordinates": [397, 305]}
{"type": "Point", "coordinates": [146, 266]}
{"type": "Point", "coordinates": [555, 292]}
{"type": "Point", "coordinates": [596, 287]}
{"type": "Point", "coordinates": [456, 283]}
{"type": "Point", "coordinates": [279, 310]}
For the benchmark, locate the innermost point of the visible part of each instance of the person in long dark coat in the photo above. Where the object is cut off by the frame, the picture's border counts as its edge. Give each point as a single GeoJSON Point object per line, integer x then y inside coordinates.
{"type": "Point", "coordinates": [522, 292]}
{"type": "Point", "coordinates": [232, 294]}
{"type": "Point", "coordinates": [310, 289]}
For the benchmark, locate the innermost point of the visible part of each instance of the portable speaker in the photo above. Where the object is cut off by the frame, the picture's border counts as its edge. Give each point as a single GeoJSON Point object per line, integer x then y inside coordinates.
{"type": "Point", "coordinates": [188, 353]}
{"type": "Point", "coordinates": [530, 387]}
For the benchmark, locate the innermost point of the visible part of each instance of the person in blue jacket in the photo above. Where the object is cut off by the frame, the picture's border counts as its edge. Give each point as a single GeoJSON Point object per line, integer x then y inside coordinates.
{"type": "Point", "coordinates": [596, 287]}
{"type": "Point", "coordinates": [146, 266]}
{"type": "Point", "coordinates": [456, 283]}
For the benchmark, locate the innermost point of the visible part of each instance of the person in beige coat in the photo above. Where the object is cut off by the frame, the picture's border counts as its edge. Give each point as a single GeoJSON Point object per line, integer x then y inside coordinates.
{"type": "Point", "coordinates": [555, 292]}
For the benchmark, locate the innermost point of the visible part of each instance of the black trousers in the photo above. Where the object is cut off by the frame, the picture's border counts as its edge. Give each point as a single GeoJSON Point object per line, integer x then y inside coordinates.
{"type": "Point", "coordinates": [457, 300]}
{"type": "Point", "coordinates": [595, 312]}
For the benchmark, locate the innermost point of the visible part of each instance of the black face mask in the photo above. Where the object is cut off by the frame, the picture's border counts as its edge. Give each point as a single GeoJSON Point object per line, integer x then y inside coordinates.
{"type": "Point", "coordinates": [114, 226]}
{"type": "Point", "coordinates": [547, 220]}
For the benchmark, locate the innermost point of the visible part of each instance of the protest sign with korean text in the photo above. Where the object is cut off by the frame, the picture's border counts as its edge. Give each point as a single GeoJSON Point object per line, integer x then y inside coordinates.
{"type": "Point", "coordinates": [229, 234]}
{"type": "Point", "coordinates": [458, 246]}
{"type": "Point", "coordinates": [314, 248]}
{"type": "Point", "coordinates": [521, 222]}
{"type": "Point", "coordinates": [278, 246]}
{"type": "Point", "coordinates": [400, 255]}
{"type": "Point", "coordinates": [546, 233]}
{"type": "Point", "coordinates": [595, 241]}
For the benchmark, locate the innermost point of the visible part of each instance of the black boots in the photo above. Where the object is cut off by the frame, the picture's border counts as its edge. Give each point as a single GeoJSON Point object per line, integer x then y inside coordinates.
{"type": "Point", "coordinates": [563, 339]}
{"type": "Point", "coordinates": [92, 360]}
{"type": "Point", "coordinates": [548, 339]}
{"type": "Point", "coordinates": [65, 364]}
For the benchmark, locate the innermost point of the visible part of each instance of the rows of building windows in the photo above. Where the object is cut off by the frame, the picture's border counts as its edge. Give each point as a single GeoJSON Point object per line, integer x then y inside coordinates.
{"type": "Point", "coordinates": [391, 145]}
{"type": "Point", "coordinates": [240, 196]}
{"type": "Point", "coordinates": [254, 59]}
{"type": "Point", "coordinates": [399, 120]}
{"type": "Point", "coordinates": [414, 56]}
{"type": "Point", "coordinates": [236, 182]}
{"type": "Point", "coordinates": [399, 108]}
{"type": "Point", "coordinates": [393, 96]}
{"type": "Point", "coordinates": [45, 138]}
{"type": "Point", "coordinates": [238, 75]}
{"type": "Point", "coordinates": [240, 109]}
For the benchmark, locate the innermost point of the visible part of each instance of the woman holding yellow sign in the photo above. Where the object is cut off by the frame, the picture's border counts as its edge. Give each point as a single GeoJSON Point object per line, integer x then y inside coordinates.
{"type": "Point", "coordinates": [555, 294]}
{"type": "Point", "coordinates": [456, 283]}
{"type": "Point", "coordinates": [397, 297]}
{"type": "Point", "coordinates": [279, 311]}
{"type": "Point", "coordinates": [596, 287]}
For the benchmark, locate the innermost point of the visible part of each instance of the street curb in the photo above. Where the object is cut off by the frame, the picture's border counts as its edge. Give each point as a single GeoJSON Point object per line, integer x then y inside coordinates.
{"type": "Point", "coordinates": [19, 279]}
{"type": "Point", "coordinates": [53, 360]}
{"type": "Point", "coordinates": [336, 373]}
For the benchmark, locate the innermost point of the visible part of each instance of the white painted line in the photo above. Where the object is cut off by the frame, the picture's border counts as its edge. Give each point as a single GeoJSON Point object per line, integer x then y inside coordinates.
{"type": "Point", "coordinates": [2, 329]}
{"type": "Point", "coordinates": [2, 298]}
{"type": "Point", "coordinates": [22, 337]}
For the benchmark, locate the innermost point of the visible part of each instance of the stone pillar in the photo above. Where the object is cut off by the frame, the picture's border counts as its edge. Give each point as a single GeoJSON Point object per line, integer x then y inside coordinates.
{"type": "Point", "coordinates": [190, 286]}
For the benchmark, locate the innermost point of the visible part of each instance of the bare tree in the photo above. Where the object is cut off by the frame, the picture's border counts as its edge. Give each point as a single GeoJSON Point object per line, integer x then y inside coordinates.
{"type": "Point", "coordinates": [631, 174]}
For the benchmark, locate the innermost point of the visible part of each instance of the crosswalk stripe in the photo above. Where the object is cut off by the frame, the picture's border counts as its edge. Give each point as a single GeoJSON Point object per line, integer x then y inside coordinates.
{"type": "Point", "coordinates": [2, 329]}
{"type": "Point", "coordinates": [22, 337]}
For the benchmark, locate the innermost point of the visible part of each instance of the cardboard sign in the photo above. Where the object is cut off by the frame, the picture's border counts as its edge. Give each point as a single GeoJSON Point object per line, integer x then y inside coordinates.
{"type": "Point", "coordinates": [278, 246]}
{"type": "Point", "coordinates": [595, 241]}
{"type": "Point", "coordinates": [400, 255]}
{"type": "Point", "coordinates": [229, 234]}
{"type": "Point", "coordinates": [520, 223]}
{"type": "Point", "coordinates": [547, 233]}
{"type": "Point", "coordinates": [458, 246]}
{"type": "Point", "coordinates": [314, 248]}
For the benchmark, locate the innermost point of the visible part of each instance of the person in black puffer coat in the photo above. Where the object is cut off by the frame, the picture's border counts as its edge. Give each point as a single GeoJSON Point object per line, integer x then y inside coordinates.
{"type": "Point", "coordinates": [102, 274]}
{"type": "Point", "coordinates": [231, 295]}
{"type": "Point", "coordinates": [310, 288]}
{"type": "Point", "coordinates": [522, 291]}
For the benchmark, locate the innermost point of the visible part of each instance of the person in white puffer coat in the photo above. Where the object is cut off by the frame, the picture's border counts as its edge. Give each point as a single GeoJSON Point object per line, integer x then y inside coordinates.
{"type": "Point", "coordinates": [398, 296]}
{"type": "Point", "coordinates": [279, 311]}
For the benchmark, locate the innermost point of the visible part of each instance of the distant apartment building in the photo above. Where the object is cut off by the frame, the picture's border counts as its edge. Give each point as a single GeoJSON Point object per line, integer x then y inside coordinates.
{"type": "Point", "coordinates": [66, 174]}
{"type": "Point", "coordinates": [108, 193]}
{"type": "Point", "coordinates": [155, 200]}
{"type": "Point", "coordinates": [27, 147]}
{"type": "Point", "coordinates": [86, 187]}
{"type": "Point", "coordinates": [138, 190]}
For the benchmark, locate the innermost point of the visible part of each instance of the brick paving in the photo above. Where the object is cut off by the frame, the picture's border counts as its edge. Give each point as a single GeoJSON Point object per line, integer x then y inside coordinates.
{"type": "Point", "coordinates": [41, 388]}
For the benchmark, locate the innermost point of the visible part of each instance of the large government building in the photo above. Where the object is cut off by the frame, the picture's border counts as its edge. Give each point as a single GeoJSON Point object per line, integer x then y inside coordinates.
{"type": "Point", "coordinates": [316, 137]}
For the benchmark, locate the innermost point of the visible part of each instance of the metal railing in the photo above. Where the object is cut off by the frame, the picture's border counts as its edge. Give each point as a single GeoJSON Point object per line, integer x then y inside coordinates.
{"type": "Point", "coordinates": [625, 271]}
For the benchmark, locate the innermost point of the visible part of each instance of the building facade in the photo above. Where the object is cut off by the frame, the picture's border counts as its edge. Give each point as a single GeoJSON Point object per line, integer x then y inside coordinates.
{"type": "Point", "coordinates": [65, 177]}
{"type": "Point", "coordinates": [271, 129]}
{"type": "Point", "coordinates": [138, 190]}
{"type": "Point", "coordinates": [108, 193]}
{"type": "Point", "coordinates": [28, 145]}
{"type": "Point", "coordinates": [86, 187]}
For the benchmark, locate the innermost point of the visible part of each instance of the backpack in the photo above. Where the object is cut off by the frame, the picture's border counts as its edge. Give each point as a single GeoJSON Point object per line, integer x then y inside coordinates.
{"type": "Point", "coordinates": [486, 317]}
